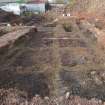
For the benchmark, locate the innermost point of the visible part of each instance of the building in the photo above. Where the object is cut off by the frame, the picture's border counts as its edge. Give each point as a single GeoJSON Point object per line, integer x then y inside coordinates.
{"type": "Point", "coordinates": [6, 1]}
{"type": "Point", "coordinates": [20, 6]}
{"type": "Point", "coordinates": [16, 6]}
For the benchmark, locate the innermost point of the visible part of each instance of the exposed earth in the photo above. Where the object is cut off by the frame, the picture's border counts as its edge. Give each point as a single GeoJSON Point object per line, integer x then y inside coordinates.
{"type": "Point", "coordinates": [51, 58]}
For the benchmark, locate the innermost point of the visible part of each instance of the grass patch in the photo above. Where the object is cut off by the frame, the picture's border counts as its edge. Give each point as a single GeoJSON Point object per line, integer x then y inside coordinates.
{"type": "Point", "coordinates": [67, 27]}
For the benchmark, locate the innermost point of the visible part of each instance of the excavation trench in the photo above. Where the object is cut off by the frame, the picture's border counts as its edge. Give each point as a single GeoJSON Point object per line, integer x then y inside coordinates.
{"type": "Point", "coordinates": [25, 67]}
{"type": "Point", "coordinates": [54, 61]}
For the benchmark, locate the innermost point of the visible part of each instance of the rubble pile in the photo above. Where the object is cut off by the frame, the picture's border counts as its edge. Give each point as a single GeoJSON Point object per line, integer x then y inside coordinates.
{"type": "Point", "coordinates": [12, 37]}
{"type": "Point", "coordinates": [15, 97]}
{"type": "Point", "coordinates": [7, 17]}
{"type": "Point", "coordinates": [27, 19]}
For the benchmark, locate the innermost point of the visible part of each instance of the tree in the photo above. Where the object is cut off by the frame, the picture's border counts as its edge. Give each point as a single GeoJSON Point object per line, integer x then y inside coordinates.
{"type": "Point", "coordinates": [20, 1]}
{"type": "Point", "coordinates": [71, 1]}
{"type": "Point", "coordinates": [59, 1]}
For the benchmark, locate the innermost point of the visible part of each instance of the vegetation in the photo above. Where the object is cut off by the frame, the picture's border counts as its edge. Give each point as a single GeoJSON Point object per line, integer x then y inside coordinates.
{"type": "Point", "coordinates": [20, 1]}
{"type": "Point", "coordinates": [71, 3]}
{"type": "Point", "coordinates": [67, 27]}
{"type": "Point", "coordinates": [60, 1]}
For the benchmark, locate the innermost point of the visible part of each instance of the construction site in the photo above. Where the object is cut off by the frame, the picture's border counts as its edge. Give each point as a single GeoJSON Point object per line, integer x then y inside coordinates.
{"type": "Point", "coordinates": [52, 52]}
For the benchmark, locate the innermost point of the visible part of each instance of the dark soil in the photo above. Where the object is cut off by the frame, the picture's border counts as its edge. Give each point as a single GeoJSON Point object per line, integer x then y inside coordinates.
{"type": "Point", "coordinates": [54, 60]}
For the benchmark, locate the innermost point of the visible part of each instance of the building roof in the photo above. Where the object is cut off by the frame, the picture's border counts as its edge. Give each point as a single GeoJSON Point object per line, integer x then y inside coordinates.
{"type": "Point", "coordinates": [3, 1]}
{"type": "Point", "coordinates": [13, 0]}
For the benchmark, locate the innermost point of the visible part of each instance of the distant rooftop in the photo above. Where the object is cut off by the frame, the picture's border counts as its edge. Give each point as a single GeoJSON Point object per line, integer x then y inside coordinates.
{"type": "Point", "coordinates": [51, 1]}
{"type": "Point", "coordinates": [2, 1]}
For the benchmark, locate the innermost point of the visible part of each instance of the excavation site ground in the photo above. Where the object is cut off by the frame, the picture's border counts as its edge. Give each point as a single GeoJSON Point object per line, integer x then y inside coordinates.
{"type": "Point", "coordinates": [50, 57]}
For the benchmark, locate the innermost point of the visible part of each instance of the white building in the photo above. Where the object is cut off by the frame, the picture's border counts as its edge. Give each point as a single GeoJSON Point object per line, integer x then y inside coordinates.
{"type": "Point", "coordinates": [52, 1]}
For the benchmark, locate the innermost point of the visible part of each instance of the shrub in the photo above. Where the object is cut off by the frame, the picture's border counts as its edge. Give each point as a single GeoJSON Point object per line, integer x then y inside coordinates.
{"type": "Point", "coordinates": [67, 27]}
